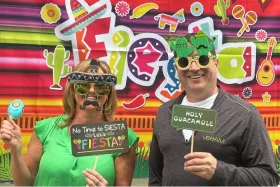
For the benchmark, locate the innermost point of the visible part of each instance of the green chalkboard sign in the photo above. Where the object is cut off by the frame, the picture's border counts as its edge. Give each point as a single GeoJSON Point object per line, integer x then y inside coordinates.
{"type": "Point", "coordinates": [193, 118]}
{"type": "Point", "coordinates": [99, 138]}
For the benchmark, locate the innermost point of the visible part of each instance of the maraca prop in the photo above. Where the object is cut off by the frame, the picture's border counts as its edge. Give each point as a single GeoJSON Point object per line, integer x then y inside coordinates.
{"type": "Point", "coordinates": [250, 18]}
{"type": "Point", "coordinates": [15, 109]}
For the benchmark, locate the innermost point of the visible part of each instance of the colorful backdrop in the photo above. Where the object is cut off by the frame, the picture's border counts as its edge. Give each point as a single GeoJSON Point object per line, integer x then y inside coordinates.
{"type": "Point", "coordinates": [43, 40]}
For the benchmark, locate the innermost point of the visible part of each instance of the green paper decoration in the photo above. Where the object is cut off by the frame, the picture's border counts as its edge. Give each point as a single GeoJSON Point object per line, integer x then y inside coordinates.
{"type": "Point", "coordinates": [202, 43]}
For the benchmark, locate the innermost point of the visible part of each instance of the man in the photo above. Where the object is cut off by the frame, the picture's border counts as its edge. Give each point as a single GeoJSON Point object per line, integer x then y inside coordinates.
{"type": "Point", "coordinates": [238, 153]}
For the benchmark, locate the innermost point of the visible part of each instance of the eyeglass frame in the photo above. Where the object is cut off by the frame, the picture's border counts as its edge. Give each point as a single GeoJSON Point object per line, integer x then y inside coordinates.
{"type": "Point", "coordinates": [193, 59]}
{"type": "Point", "coordinates": [88, 83]}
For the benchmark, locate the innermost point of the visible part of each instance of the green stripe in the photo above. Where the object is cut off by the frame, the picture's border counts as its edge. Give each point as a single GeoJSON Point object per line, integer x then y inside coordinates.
{"type": "Point", "coordinates": [28, 38]}
{"type": "Point", "coordinates": [47, 30]}
{"type": "Point", "coordinates": [263, 47]}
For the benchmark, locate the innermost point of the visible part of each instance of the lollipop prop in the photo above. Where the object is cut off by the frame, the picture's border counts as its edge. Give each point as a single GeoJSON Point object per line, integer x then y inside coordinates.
{"type": "Point", "coordinates": [15, 109]}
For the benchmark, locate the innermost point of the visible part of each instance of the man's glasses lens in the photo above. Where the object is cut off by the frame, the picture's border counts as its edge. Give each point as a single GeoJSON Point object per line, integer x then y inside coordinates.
{"type": "Point", "coordinates": [183, 62]}
{"type": "Point", "coordinates": [203, 60]}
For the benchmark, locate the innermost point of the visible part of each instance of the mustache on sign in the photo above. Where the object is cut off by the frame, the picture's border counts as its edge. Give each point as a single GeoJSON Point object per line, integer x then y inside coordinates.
{"type": "Point", "coordinates": [202, 46]}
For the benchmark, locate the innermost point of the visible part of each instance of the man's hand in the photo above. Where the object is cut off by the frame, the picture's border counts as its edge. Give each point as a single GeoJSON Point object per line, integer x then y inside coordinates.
{"type": "Point", "coordinates": [201, 164]}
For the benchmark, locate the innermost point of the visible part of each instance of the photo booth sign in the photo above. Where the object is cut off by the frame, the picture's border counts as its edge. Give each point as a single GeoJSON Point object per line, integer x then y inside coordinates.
{"type": "Point", "coordinates": [99, 138]}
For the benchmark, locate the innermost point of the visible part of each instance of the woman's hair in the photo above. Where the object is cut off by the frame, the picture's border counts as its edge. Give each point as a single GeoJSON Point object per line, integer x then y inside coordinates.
{"type": "Point", "coordinates": [69, 103]}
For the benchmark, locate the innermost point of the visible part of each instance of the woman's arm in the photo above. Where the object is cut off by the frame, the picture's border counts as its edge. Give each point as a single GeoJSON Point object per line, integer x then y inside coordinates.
{"type": "Point", "coordinates": [24, 171]}
{"type": "Point", "coordinates": [124, 166]}
{"type": "Point", "coordinates": [33, 155]}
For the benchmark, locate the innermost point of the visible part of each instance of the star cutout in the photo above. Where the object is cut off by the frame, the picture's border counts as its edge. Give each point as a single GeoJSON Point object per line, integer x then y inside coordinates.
{"type": "Point", "coordinates": [266, 97]}
{"type": "Point", "coordinates": [264, 3]}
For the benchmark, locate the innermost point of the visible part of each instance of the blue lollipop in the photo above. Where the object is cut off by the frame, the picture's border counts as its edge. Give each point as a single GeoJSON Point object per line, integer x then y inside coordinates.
{"type": "Point", "coordinates": [15, 109]}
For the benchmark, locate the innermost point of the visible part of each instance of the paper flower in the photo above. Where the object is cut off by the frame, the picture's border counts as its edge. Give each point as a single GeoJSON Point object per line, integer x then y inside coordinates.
{"type": "Point", "coordinates": [261, 35]}
{"type": "Point", "coordinates": [266, 97]}
{"type": "Point", "coordinates": [141, 144]}
{"type": "Point", "coordinates": [50, 13]}
{"type": "Point", "coordinates": [196, 9]}
{"type": "Point", "coordinates": [247, 92]}
{"type": "Point", "coordinates": [6, 147]}
{"type": "Point", "coordinates": [122, 8]}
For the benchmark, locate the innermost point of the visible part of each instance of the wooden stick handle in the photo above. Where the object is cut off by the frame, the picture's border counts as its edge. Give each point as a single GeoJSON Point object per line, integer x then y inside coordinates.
{"type": "Point", "coordinates": [241, 31]}
{"type": "Point", "coordinates": [192, 141]}
{"type": "Point", "coordinates": [95, 162]}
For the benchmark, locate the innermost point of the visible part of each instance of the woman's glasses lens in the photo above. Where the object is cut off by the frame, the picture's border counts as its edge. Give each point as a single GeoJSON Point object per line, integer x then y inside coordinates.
{"type": "Point", "coordinates": [81, 88]}
{"type": "Point", "coordinates": [99, 89]}
{"type": "Point", "coordinates": [102, 89]}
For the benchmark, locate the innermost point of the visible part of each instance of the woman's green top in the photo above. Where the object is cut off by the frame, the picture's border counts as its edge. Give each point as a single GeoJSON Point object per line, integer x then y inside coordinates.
{"type": "Point", "coordinates": [58, 167]}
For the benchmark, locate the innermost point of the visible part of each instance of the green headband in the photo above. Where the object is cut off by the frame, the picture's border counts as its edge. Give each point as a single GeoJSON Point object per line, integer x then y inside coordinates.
{"type": "Point", "coordinates": [200, 42]}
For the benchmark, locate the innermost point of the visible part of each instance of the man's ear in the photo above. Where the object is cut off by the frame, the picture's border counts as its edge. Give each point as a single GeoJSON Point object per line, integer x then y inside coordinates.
{"type": "Point", "coordinates": [216, 61]}
{"type": "Point", "coordinates": [174, 64]}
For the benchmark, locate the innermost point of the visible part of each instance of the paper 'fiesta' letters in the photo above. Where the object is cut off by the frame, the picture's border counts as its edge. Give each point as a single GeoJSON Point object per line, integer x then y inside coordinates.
{"type": "Point", "coordinates": [243, 62]}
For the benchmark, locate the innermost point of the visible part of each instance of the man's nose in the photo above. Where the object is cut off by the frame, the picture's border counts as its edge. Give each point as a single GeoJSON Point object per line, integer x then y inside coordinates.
{"type": "Point", "coordinates": [194, 66]}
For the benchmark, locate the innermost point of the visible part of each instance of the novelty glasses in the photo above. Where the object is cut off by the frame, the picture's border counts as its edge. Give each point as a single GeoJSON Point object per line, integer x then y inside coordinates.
{"type": "Point", "coordinates": [202, 61]}
{"type": "Point", "coordinates": [101, 89]}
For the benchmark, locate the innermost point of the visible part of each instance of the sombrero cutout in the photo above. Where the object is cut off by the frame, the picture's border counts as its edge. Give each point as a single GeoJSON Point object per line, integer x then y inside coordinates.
{"type": "Point", "coordinates": [82, 17]}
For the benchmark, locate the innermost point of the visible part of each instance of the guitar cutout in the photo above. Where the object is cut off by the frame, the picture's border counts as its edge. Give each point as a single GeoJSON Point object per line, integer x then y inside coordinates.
{"type": "Point", "coordinates": [266, 74]}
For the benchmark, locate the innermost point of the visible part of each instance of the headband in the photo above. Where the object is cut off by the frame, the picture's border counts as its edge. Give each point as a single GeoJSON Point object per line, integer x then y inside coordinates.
{"type": "Point", "coordinates": [199, 41]}
{"type": "Point", "coordinates": [93, 76]}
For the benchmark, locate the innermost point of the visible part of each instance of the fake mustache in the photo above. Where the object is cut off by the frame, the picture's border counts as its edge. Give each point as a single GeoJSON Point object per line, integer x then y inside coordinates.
{"type": "Point", "coordinates": [93, 103]}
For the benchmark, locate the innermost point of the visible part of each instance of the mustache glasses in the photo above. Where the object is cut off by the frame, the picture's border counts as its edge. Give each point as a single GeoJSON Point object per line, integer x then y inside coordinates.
{"type": "Point", "coordinates": [202, 61]}
{"type": "Point", "coordinates": [101, 89]}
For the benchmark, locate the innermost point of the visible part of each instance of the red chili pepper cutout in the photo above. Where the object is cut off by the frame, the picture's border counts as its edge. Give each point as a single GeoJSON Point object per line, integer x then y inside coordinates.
{"type": "Point", "coordinates": [137, 102]}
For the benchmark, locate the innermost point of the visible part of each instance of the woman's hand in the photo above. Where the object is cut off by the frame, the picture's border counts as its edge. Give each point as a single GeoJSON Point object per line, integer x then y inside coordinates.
{"type": "Point", "coordinates": [10, 134]}
{"type": "Point", "coordinates": [94, 179]}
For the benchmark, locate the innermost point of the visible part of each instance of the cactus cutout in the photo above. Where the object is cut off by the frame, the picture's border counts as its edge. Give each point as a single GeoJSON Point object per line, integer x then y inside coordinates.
{"type": "Point", "coordinates": [181, 47]}
{"type": "Point", "coordinates": [56, 61]}
{"type": "Point", "coordinates": [202, 43]}
{"type": "Point", "coordinates": [141, 169]}
{"type": "Point", "coordinates": [221, 10]}
{"type": "Point", "coordinates": [5, 164]}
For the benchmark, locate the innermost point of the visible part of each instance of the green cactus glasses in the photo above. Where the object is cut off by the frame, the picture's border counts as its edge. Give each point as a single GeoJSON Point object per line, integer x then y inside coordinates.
{"type": "Point", "coordinates": [202, 61]}
{"type": "Point", "coordinates": [101, 89]}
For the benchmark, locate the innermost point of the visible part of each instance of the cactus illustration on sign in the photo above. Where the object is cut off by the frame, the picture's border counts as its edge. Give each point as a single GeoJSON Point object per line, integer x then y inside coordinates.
{"type": "Point", "coordinates": [56, 62]}
{"type": "Point", "coordinates": [221, 10]}
{"type": "Point", "coordinates": [181, 47]}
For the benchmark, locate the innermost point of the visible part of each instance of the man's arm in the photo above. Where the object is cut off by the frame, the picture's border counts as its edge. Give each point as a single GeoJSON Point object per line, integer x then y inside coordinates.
{"type": "Point", "coordinates": [124, 165]}
{"type": "Point", "coordinates": [257, 157]}
{"type": "Point", "coordinates": [155, 163]}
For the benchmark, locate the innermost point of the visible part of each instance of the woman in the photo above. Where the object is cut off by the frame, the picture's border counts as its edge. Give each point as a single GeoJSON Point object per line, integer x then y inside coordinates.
{"type": "Point", "coordinates": [49, 160]}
